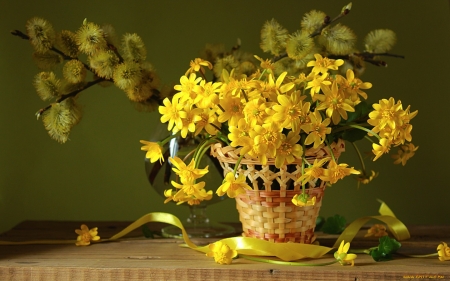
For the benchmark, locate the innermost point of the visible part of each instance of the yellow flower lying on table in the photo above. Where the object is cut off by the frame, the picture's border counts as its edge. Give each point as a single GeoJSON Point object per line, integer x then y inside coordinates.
{"type": "Point", "coordinates": [86, 235]}
{"type": "Point", "coordinates": [377, 230]}
{"type": "Point", "coordinates": [221, 252]}
{"type": "Point", "coordinates": [342, 256]}
{"type": "Point", "coordinates": [444, 252]}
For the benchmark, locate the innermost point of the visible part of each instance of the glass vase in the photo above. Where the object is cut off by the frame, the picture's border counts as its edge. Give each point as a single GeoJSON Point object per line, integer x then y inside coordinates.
{"type": "Point", "coordinates": [160, 175]}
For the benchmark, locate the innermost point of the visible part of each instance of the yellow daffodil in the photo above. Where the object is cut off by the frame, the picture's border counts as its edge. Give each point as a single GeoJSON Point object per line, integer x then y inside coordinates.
{"type": "Point", "coordinates": [233, 186]}
{"type": "Point", "coordinates": [443, 252]}
{"type": "Point", "coordinates": [221, 252]}
{"type": "Point", "coordinates": [86, 235]}
{"type": "Point", "coordinates": [303, 200]}
{"type": "Point", "coordinates": [405, 153]}
{"type": "Point", "coordinates": [376, 230]}
{"type": "Point", "coordinates": [321, 64]}
{"type": "Point", "coordinates": [342, 256]}
{"type": "Point", "coordinates": [154, 151]}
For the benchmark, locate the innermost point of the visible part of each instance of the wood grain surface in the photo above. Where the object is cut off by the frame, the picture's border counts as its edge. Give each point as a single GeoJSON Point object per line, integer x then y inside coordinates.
{"type": "Point", "coordinates": [139, 258]}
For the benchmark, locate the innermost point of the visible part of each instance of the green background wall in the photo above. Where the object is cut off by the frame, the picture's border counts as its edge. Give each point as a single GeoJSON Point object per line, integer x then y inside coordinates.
{"type": "Point", "coordinates": [99, 173]}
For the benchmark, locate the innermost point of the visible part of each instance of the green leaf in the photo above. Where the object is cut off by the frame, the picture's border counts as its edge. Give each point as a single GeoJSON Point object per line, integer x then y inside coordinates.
{"type": "Point", "coordinates": [334, 225]}
{"type": "Point", "coordinates": [147, 232]}
{"type": "Point", "coordinates": [353, 135]}
{"type": "Point", "coordinates": [385, 249]}
{"type": "Point", "coordinates": [361, 110]}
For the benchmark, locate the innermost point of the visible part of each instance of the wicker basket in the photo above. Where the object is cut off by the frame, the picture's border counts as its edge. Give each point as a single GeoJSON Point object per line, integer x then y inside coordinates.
{"type": "Point", "coordinates": [268, 213]}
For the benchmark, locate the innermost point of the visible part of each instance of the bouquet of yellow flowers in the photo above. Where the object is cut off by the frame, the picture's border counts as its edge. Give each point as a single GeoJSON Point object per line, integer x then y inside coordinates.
{"type": "Point", "coordinates": [306, 98]}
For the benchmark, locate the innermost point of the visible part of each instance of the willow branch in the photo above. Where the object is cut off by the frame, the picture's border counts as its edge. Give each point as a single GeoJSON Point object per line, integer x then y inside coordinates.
{"type": "Point", "coordinates": [71, 94]}
{"type": "Point", "coordinates": [326, 22]}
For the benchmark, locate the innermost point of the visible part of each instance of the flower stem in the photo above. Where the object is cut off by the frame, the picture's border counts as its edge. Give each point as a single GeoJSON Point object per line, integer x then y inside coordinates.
{"type": "Point", "coordinates": [363, 166]}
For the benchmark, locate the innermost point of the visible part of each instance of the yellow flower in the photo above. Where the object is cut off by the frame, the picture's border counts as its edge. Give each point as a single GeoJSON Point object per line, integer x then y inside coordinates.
{"type": "Point", "coordinates": [289, 149]}
{"type": "Point", "coordinates": [188, 88]}
{"type": "Point", "coordinates": [386, 113]}
{"type": "Point", "coordinates": [380, 149]}
{"type": "Point", "coordinates": [188, 122]}
{"type": "Point", "coordinates": [335, 104]}
{"type": "Point", "coordinates": [317, 82]}
{"type": "Point", "coordinates": [207, 94]}
{"type": "Point", "coordinates": [188, 189]}
{"type": "Point", "coordinates": [376, 230]}
{"type": "Point", "coordinates": [291, 112]}
{"type": "Point", "coordinates": [404, 153]}
{"type": "Point", "coordinates": [315, 171]}
{"type": "Point", "coordinates": [187, 173]}
{"type": "Point", "coordinates": [221, 252]}
{"type": "Point", "coordinates": [443, 252]}
{"type": "Point", "coordinates": [208, 122]}
{"type": "Point", "coordinates": [197, 64]}
{"type": "Point", "coordinates": [355, 85]}
{"type": "Point", "coordinates": [154, 151]}
{"type": "Point", "coordinates": [302, 200]}
{"type": "Point", "coordinates": [233, 186]}
{"type": "Point", "coordinates": [269, 135]}
{"type": "Point", "coordinates": [266, 64]}
{"type": "Point", "coordinates": [317, 129]}
{"type": "Point", "coordinates": [256, 110]}
{"type": "Point", "coordinates": [233, 110]}
{"type": "Point", "coordinates": [169, 195]}
{"type": "Point", "coordinates": [364, 178]}
{"type": "Point", "coordinates": [239, 135]}
{"type": "Point", "coordinates": [86, 235]}
{"type": "Point", "coordinates": [172, 112]}
{"type": "Point", "coordinates": [342, 256]}
{"type": "Point", "coordinates": [336, 171]}
{"type": "Point", "coordinates": [321, 64]}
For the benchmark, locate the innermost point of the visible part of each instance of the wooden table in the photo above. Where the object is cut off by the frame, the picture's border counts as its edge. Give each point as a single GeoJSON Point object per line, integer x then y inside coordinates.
{"type": "Point", "coordinates": [138, 258]}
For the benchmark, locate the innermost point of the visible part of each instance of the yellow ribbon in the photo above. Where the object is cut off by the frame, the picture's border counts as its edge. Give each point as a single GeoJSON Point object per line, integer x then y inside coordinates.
{"type": "Point", "coordinates": [253, 246]}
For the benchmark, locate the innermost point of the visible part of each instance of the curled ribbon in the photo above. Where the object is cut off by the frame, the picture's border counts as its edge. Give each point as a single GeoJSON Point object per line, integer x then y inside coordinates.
{"type": "Point", "coordinates": [247, 246]}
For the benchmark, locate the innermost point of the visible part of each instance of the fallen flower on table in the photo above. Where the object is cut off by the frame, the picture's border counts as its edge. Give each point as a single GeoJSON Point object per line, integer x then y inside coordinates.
{"type": "Point", "coordinates": [443, 252]}
{"type": "Point", "coordinates": [86, 235]}
{"type": "Point", "coordinates": [342, 256]}
{"type": "Point", "coordinates": [377, 230]}
{"type": "Point", "coordinates": [221, 252]}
